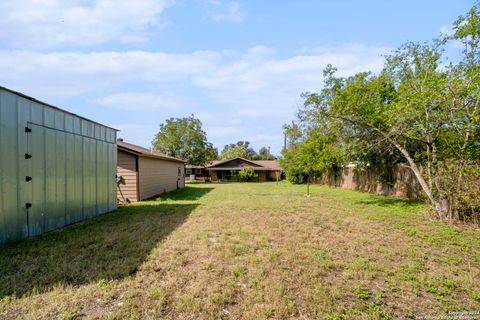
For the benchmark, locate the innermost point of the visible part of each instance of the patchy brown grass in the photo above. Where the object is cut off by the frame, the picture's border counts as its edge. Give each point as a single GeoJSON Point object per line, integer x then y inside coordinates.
{"type": "Point", "coordinates": [247, 251]}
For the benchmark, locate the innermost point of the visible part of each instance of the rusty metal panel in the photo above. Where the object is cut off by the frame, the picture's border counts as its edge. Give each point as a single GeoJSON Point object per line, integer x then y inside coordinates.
{"type": "Point", "coordinates": [56, 168]}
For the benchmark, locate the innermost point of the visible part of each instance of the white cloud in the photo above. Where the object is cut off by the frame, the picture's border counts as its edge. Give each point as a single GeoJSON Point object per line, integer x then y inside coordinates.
{"type": "Point", "coordinates": [78, 23]}
{"type": "Point", "coordinates": [347, 57]}
{"type": "Point", "coordinates": [253, 92]}
{"type": "Point", "coordinates": [272, 86]}
{"type": "Point", "coordinates": [72, 74]}
{"type": "Point", "coordinates": [140, 134]}
{"type": "Point", "coordinates": [448, 31]}
{"type": "Point", "coordinates": [228, 12]}
{"type": "Point", "coordinates": [144, 101]}
{"type": "Point", "coordinates": [258, 53]}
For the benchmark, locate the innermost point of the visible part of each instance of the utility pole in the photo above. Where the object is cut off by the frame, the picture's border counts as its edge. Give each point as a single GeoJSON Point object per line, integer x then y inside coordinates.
{"type": "Point", "coordinates": [308, 187]}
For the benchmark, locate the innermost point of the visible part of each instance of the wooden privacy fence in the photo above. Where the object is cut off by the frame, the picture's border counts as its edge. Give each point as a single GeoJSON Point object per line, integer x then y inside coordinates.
{"type": "Point", "coordinates": [398, 180]}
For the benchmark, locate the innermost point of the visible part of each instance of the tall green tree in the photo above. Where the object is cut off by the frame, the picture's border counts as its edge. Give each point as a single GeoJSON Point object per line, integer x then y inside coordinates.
{"type": "Point", "coordinates": [264, 154]}
{"type": "Point", "coordinates": [184, 138]}
{"type": "Point", "coordinates": [315, 152]}
{"type": "Point", "coordinates": [240, 149]}
{"type": "Point", "coordinates": [292, 133]}
{"type": "Point", "coordinates": [418, 109]}
{"type": "Point", "coordinates": [233, 152]}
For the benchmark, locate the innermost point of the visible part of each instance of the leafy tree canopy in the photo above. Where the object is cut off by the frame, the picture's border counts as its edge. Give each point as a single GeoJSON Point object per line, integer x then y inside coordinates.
{"type": "Point", "coordinates": [264, 154]}
{"type": "Point", "coordinates": [420, 109]}
{"type": "Point", "coordinates": [242, 149]}
{"type": "Point", "coordinates": [234, 151]}
{"type": "Point", "coordinates": [184, 138]}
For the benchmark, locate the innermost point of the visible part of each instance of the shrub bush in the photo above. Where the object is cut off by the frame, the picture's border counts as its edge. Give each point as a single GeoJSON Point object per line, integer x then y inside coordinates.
{"type": "Point", "coordinates": [246, 174]}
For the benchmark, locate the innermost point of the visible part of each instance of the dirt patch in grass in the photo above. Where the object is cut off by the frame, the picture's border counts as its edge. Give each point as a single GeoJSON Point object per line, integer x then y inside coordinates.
{"type": "Point", "coordinates": [247, 251]}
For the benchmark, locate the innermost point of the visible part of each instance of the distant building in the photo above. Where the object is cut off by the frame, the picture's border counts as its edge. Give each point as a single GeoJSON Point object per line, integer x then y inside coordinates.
{"type": "Point", "coordinates": [227, 170]}
{"type": "Point", "coordinates": [143, 173]}
{"type": "Point", "coordinates": [196, 172]}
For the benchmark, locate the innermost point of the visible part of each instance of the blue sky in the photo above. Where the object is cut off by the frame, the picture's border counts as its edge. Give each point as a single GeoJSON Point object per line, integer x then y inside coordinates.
{"type": "Point", "coordinates": [239, 66]}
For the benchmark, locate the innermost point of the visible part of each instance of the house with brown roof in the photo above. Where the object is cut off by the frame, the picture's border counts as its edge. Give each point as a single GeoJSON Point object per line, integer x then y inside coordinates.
{"type": "Point", "coordinates": [142, 173]}
{"type": "Point", "coordinates": [227, 170]}
{"type": "Point", "coordinates": [195, 172]}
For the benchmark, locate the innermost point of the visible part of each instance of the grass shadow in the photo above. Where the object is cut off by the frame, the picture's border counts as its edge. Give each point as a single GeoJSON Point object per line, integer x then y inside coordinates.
{"type": "Point", "coordinates": [389, 201]}
{"type": "Point", "coordinates": [187, 182]}
{"type": "Point", "coordinates": [188, 193]}
{"type": "Point", "coordinates": [108, 247]}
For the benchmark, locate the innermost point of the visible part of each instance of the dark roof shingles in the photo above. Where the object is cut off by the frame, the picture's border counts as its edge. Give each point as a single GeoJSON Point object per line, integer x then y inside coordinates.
{"type": "Point", "coordinates": [146, 152]}
{"type": "Point", "coordinates": [268, 164]}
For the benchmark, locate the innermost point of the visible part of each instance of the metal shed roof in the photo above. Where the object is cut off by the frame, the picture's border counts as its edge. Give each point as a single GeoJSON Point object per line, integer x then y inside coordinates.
{"type": "Point", "coordinates": [52, 106]}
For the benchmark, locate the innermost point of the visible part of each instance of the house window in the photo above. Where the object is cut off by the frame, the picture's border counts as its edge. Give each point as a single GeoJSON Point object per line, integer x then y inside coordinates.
{"type": "Point", "coordinates": [198, 171]}
{"type": "Point", "coordinates": [189, 171]}
{"type": "Point", "coordinates": [179, 171]}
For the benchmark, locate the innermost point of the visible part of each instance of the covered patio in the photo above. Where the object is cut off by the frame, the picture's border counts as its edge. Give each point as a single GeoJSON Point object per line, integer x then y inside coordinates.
{"type": "Point", "coordinates": [228, 170]}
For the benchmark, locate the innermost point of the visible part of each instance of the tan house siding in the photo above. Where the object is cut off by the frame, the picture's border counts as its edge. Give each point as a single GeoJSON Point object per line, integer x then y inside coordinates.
{"type": "Point", "coordinates": [159, 176]}
{"type": "Point", "coordinates": [126, 168]}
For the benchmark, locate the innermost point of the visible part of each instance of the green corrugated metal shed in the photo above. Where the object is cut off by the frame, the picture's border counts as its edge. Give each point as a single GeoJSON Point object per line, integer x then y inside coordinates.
{"type": "Point", "coordinates": [56, 168]}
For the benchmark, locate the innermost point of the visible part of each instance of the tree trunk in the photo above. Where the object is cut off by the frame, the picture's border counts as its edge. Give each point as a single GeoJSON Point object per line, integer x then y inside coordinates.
{"type": "Point", "coordinates": [442, 205]}
{"type": "Point", "coordinates": [461, 166]}
{"type": "Point", "coordinates": [308, 186]}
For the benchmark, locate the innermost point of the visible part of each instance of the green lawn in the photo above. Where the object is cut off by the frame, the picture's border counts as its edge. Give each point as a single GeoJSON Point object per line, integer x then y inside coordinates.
{"type": "Point", "coordinates": [247, 251]}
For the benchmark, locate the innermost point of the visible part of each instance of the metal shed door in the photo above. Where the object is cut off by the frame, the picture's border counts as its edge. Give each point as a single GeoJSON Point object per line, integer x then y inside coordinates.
{"type": "Point", "coordinates": [36, 169]}
{"type": "Point", "coordinates": [47, 167]}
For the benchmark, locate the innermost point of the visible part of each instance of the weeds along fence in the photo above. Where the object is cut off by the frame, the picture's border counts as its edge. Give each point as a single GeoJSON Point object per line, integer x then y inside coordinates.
{"type": "Point", "coordinates": [400, 181]}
